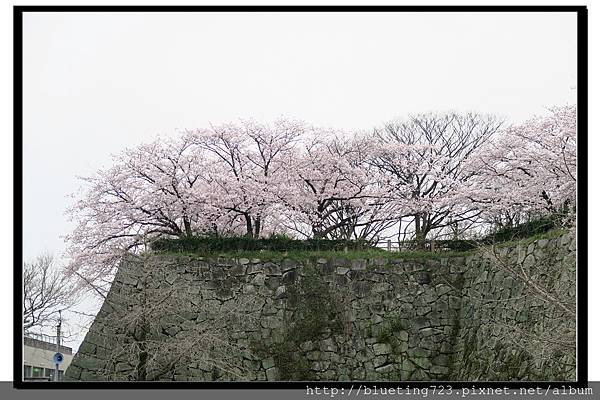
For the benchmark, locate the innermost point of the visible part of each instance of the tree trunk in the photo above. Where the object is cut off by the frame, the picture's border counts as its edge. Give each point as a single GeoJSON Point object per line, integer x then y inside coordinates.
{"type": "Point", "coordinates": [317, 232]}
{"type": "Point", "coordinates": [248, 225]}
{"type": "Point", "coordinates": [188, 226]}
{"type": "Point", "coordinates": [420, 234]}
{"type": "Point", "coordinates": [257, 227]}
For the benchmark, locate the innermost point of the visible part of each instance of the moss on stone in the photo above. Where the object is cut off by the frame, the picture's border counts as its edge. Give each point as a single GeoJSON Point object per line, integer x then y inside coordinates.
{"type": "Point", "coordinates": [314, 311]}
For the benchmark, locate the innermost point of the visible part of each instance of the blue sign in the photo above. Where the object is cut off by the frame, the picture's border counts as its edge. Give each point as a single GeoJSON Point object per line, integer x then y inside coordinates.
{"type": "Point", "coordinates": [58, 358]}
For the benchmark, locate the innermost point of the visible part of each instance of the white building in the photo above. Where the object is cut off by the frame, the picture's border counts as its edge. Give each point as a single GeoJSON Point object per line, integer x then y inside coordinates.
{"type": "Point", "coordinates": [38, 358]}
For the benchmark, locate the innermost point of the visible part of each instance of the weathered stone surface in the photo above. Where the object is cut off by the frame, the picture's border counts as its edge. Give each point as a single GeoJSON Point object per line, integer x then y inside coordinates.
{"type": "Point", "coordinates": [272, 374]}
{"type": "Point", "coordinates": [359, 265]}
{"type": "Point", "coordinates": [385, 369]}
{"type": "Point", "coordinates": [87, 348]}
{"type": "Point", "coordinates": [280, 292]}
{"type": "Point", "coordinates": [290, 276]}
{"type": "Point", "coordinates": [268, 363]}
{"type": "Point", "coordinates": [87, 375]}
{"type": "Point", "coordinates": [90, 363]}
{"type": "Point", "coordinates": [381, 348]}
{"type": "Point", "coordinates": [362, 319]}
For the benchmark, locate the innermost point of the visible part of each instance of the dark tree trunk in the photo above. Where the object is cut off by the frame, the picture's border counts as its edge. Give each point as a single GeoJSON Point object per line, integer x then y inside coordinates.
{"type": "Point", "coordinates": [248, 225]}
{"type": "Point", "coordinates": [188, 226]}
{"type": "Point", "coordinates": [420, 232]}
{"type": "Point", "coordinates": [257, 226]}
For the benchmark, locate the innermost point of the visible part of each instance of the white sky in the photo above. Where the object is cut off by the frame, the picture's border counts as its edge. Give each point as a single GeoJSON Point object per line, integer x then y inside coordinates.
{"type": "Point", "coordinates": [97, 83]}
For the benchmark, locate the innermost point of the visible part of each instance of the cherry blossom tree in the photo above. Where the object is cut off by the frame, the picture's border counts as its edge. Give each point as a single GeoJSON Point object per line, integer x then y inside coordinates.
{"type": "Point", "coordinates": [427, 173]}
{"type": "Point", "coordinates": [424, 159]}
{"type": "Point", "coordinates": [530, 169]}
{"type": "Point", "coordinates": [333, 192]}
{"type": "Point", "coordinates": [248, 162]}
{"type": "Point", "coordinates": [201, 182]}
{"type": "Point", "coordinates": [150, 191]}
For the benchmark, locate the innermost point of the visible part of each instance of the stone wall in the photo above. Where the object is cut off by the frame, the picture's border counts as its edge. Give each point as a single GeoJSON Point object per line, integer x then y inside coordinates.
{"type": "Point", "coordinates": [518, 313]}
{"type": "Point", "coordinates": [458, 318]}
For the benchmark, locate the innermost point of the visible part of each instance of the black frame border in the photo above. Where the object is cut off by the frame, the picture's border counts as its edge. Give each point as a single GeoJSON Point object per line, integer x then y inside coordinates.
{"type": "Point", "coordinates": [582, 210]}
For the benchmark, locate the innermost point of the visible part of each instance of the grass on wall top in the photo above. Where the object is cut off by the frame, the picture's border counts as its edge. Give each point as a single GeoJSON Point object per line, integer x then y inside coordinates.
{"type": "Point", "coordinates": [277, 248]}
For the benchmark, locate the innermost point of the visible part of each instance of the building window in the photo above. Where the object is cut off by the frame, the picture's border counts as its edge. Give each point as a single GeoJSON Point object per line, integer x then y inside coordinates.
{"type": "Point", "coordinates": [26, 371]}
{"type": "Point", "coordinates": [37, 372]}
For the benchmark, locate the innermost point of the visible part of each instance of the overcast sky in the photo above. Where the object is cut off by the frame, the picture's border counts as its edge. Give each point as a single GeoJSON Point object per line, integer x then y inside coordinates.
{"type": "Point", "coordinates": [95, 83]}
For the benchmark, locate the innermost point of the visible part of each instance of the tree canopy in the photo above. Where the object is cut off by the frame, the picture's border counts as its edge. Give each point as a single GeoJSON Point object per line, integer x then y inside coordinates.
{"type": "Point", "coordinates": [417, 178]}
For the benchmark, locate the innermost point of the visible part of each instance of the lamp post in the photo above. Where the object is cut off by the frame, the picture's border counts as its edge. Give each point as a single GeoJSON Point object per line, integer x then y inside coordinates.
{"type": "Point", "coordinates": [57, 357]}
